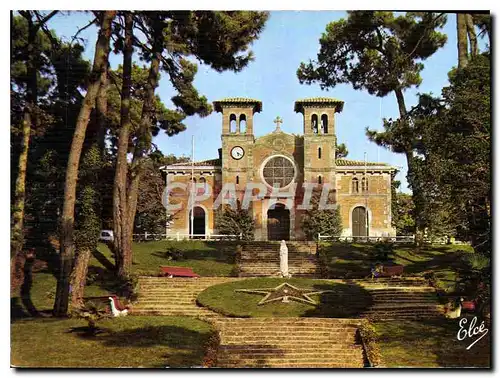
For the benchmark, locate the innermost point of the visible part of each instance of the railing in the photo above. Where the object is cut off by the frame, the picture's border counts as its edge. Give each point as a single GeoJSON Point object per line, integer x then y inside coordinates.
{"type": "Point", "coordinates": [179, 236]}
{"type": "Point", "coordinates": [409, 239]}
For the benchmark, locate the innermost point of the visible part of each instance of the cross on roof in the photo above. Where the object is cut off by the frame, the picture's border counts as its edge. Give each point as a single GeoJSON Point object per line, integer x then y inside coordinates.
{"type": "Point", "coordinates": [278, 121]}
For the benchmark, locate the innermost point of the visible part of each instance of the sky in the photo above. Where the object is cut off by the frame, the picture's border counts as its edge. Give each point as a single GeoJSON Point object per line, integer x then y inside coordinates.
{"type": "Point", "coordinates": [289, 38]}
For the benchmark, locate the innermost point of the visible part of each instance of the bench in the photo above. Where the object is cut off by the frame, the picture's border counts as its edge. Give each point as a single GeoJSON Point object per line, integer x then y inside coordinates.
{"type": "Point", "coordinates": [387, 270]}
{"type": "Point", "coordinates": [392, 270]}
{"type": "Point", "coordinates": [176, 271]}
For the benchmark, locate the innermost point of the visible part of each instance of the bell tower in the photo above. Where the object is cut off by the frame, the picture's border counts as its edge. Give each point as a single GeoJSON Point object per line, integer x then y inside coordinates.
{"type": "Point", "coordinates": [237, 138]}
{"type": "Point", "coordinates": [319, 137]}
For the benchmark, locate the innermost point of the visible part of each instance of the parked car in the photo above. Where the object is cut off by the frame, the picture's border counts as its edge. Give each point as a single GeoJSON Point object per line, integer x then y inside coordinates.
{"type": "Point", "coordinates": [106, 235]}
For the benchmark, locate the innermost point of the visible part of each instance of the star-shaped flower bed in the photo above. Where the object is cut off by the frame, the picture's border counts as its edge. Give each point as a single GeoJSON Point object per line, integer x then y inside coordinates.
{"type": "Point", "coordinates": [293, 297]}
{"type": "Point", "coordinates": [284, 292]}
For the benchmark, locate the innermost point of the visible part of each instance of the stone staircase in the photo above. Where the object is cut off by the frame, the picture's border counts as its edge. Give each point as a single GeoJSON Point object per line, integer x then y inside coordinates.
{"type": "Point", "coordinates": [400, 298]}
{"type": "Point", "coordinates": [173, 296]}
{"type": "Point", "coordinates": [408, 298]}
{"type": "Point", "coordinates": [261, 259]}
{"type": "Point", "coordinates": [289, 343]}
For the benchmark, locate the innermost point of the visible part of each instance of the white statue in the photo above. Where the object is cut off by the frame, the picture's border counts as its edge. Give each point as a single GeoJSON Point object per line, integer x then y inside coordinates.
{"type": "Point", "coordinates": [115, 311]}
{"type": "Point", "coordinates": [284, 260]}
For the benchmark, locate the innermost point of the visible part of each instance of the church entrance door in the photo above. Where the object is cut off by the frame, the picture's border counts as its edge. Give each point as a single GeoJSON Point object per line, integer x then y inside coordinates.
{"type": "Point", "coordinates": [198, 222]}
{"type": "Point", "coordinates": [359, 224]}
{"type": "Point", "coordinates": [278, 223]}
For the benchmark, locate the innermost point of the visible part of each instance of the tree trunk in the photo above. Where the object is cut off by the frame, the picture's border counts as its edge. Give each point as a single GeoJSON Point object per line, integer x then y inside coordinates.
{"type": "Point", "coordinates": [79, 277]}
{"type": "Point", "coordinates": [144, 135]}
{"type": "Point", "coordinates": [17, 233]}
{"type": "Point", "coordinates": [79, 274]}
{"type": "Point", "coordinates": [67, 252]}
{"type": "Point", "coordinates": [409, 161]}
{"type": "Point", "coordinates": [120, 201]}
{"type": "Point", "coordinates": [471, 32]}
{"type": "Point", "coordinates": [462, 40]}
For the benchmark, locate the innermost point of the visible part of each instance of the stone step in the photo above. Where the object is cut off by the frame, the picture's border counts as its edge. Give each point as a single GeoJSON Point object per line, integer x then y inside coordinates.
{"type": "Point", "coordinates": [288, 342]}
{"type": "Point", "coordinates": [292, 355]}
{"type": "Point", "coordinates": [289, 365]}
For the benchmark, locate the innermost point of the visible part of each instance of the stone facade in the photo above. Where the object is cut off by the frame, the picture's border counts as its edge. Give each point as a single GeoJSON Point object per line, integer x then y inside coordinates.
{"type": "Point", "coordinates": [289, 161]}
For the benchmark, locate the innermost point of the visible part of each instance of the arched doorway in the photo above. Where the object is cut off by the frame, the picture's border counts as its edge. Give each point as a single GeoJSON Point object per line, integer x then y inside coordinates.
{"type": "Point", "coordinates": [278, 223]}
{"type": "Point", "coordinates": [198, 222]}
{"type": "Point", "coordinates": [359, 222]}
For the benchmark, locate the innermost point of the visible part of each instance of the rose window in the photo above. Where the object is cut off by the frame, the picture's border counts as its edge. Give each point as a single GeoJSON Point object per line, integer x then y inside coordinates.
{"type": "Point", "coordinates": [278, 172]}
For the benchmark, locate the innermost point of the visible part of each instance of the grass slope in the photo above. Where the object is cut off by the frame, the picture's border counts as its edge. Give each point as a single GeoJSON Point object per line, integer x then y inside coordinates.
{"type": "Point", "coordinates": [207, 258]}
{"type": "Point", "coordinates": [429, 343]}
{"type": "Point", "coordinates": [355, 260]}
{"type": "Point", "coordinates": [132, 341]}
{"type": "Point", "coordinates": [344, 301]}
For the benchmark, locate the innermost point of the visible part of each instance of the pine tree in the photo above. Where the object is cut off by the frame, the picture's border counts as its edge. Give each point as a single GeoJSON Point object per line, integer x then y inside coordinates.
{"type": "Point", "coordinates": [229, 221]}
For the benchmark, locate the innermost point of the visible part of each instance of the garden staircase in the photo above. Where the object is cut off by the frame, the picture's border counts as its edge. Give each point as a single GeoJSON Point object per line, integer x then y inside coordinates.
{"type": "Point", "coordinates": [289, 343]}
{"type": "Point", "coordinates": [173, 296]}
{"type": "Point", "coordinates": [400, 298]}
{"type": "Point", "coordinates": [262, 259]}
{"type": "Point", "coordinates": [409, 298]}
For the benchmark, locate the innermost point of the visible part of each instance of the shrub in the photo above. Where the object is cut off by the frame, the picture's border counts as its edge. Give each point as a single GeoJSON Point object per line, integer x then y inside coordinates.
{"type": "Point", "coordinates": [211, 348]}
{"type": "Point", "coordinates": [92, 312]}
{"type": "Point", "coordinates": [369, 337]}
{"type": "Point", "coordinates": [382, 251]}
{"type": "Point", "coordinates": [229, 221]}
{"type": "Point", "coordinates": [174, 253]}
{"type": "Point", "coordinates": [325, 222]}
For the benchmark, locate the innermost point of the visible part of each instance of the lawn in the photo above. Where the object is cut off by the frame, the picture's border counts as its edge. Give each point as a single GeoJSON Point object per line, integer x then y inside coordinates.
{"type": "Point", "coordinates": [207, 258]}
{"type": "Point", "coordinates": [133, 341]}
{"type": "Point", "coordinates": [341, 300]}
{"type": "Point", "coordinates": [342, 260]}
{"type": "Point", "coordinates": [429, 343]}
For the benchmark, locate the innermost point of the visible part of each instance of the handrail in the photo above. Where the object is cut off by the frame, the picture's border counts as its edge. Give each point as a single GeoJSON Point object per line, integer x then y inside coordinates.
{"type": "Point", "coordinates": [368, 239]}
{"type": "Point", "coordinates": [180, 236]}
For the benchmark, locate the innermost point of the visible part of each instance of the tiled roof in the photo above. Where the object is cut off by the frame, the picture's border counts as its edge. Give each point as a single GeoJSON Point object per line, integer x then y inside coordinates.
{"type": "Point", "coordinates": [238, 100]}
{"type": "Point", "coordinates": [198, 163]}
{"type": "Point", "coordinates": [318, 100]}
{"type": "Point", "coordinates": [359, 163]}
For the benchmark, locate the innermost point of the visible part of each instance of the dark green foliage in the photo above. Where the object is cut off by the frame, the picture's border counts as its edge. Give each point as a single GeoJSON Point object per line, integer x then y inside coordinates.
{"type": "Point", "coordinates": [375, 51]}
{"type": "Point", "coordinates": [379, 52]}
{"type": "Point", "coordinates": [319, 221]}
{"type": "Point", "coordinates": [174, 253]}
{"type": "Point", "coordinates": [88, 204]}
{"type": "Point", "coordinates": [382, 251]}
{"type": "Point", "coordinates": [341, 151]}
{"type": "Point", "coordinates": [403, 218]}
{"type": "Point", "coordinates": [151, 216]}
{"type": "Point", "coordinates": [93, 312]}
{"type": "Point", "coordinates": [229, 221]}
{"type": "Point", "coordinates": [62, 72]}
{"type": "Point", "coordinates": [455, 151]}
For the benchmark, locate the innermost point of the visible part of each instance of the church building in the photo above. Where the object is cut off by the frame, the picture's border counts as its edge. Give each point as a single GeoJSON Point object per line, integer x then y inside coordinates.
{"type": "Point", "coordinates": [278, 159]}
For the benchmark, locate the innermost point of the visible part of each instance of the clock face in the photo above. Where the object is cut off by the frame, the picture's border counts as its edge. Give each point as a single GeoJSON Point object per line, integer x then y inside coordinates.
{"type": "Point", "coordinates": [237, 152]}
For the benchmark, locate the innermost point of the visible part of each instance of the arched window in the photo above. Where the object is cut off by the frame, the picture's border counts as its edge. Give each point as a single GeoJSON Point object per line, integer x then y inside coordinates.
{"type": "Point", "coordinates": [314, 123]}
{"type": "Point", "coordinates": [237, 179]}
{"type": "Point", "coordinates": [243, 124]}
{"type": "Point", "coordinates": [320, 180]}
{"type": "Point", "coordinates": [232, 123]}
{"type": "Point", "coordinates": [202, 185]}
{"type": "Point", "coordinates": [355, 185]}
{"type": "Point", "coordinates": [364, 184]}
{"type": "Point", "coordinates": [319, 152]}
{"type": "Point", "coordinates": [324, 124]}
